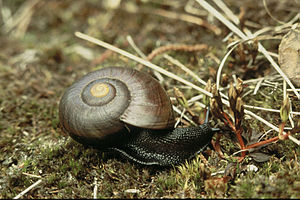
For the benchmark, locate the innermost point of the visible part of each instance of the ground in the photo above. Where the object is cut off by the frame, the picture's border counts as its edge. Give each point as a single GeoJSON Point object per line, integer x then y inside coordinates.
{"type": "Point", "coordinates": [40, 57]}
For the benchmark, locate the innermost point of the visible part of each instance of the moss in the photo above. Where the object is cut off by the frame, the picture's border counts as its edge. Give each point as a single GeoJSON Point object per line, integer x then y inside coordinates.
{"type": "Point", "coordinates": [32, 145]}
{"type": "Point", "coordinates": [275, 179]}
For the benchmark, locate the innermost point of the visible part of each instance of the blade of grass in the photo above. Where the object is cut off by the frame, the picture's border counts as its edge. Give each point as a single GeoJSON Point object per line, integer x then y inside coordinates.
{"type": "Point", "coordinates": [140, 60]}
{"type": "Point", "coordinates": [237, 31]}
{"type": "Point", "coordinates": [163, 71]}
{"type": "Point", "coordinates": [28, 189]}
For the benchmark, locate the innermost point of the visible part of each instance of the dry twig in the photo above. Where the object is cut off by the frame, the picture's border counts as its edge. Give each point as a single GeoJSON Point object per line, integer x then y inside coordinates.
{"type": "Point", "coordinates": [237, 31]}
{"type": "Point", "coordinates": [176, 47]}
{"type": "Point", "coordinates": [28, 189]}
{"type": "Point", "coordinates": [169, 74]}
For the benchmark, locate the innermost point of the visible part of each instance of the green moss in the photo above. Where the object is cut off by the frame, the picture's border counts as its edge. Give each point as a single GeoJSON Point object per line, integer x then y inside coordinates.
{"type": "Point", "coordinates": [166, 183]}
{"type": "Point", "coordinates": [32, 142]}
{"type": "Point", "coordinates": [280, 181]}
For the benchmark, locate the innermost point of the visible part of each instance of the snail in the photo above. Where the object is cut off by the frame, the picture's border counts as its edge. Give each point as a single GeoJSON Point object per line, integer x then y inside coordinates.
{"type": "Point", "coordinates": [129, 112]}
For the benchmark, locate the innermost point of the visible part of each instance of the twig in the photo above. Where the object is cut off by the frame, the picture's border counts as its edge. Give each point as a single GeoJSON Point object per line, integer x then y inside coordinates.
{"type": "Point", "coordinates": [258, 86]}
{"type": "Point", "coordinates": [140, 60]}
{"type": "Point", "coordinates": [187, 18]}
{"type": "Point", "coordinates": [269, 109]}
{"type": "Point", "coordinates": [180, 117]}
{"type": "Point", "coordinates": [95, 188]}
{"type": "Point", "coordinates": [227, 11]}
{"type": "Point", "coordinates": [263, 135]}
{"type": "Point", "coordinates": [176, 47]}
{"type": "Point", "coordinates": [269, 13]}
{"type": "Point", "coordinates": [141, 54]}
{"type": "Point", "coordinates": [131, 42]}
{"type": "Point", "coordinates": [218, 79]}
{"type": "Point", "coordinates": [285, 96]}
{"type": "Point", "coordinates": [237, 31]}
{"type": "Point", "coordinates": [184, 116]}
{"type": "Point", "coordinates": [28, 189]}
{"type": "Point", "coordinates": [290, 90]}
{"type": "Point", "coordinates": [271, 125]}
{"type": "Point", "coordinates": [267, 55]}
{"type": "Point", "coordinates": [190, 72]}
{"type": "Point", "coordinates": [277, 28]}
{"type": "Point", "coordinates": [20, 20]}
{"type": "Point", "coordinates": [190, 9]}
{"type": "Point", "coordinates": [294, 140]}
{"type": "Point", "coordinates": [178, 16]}
{"type": "Point", "coordinates": [196, 98]}
{"type": "Point", "coordinates": [32, 175]}
{"type": "Point", "coordinates": [184, 68]}
{"type": "Point", "coordinates": [163, 71]}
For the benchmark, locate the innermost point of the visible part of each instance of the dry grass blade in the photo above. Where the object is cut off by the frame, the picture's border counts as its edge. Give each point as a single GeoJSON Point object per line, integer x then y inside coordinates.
{"type": "Point", "coordinates": [188, 18]}
{"type": "Point", "coordinates": [227, 11]}
{"type": "Point", "coordinates": [269, 109]}
{"type": "Point", "coordinates": [95, 191]}
{"type": "Point", "coordinates": [219, 72]}
{"type": "Point", "coordinates": [131, 42]}
{"type": "Point", "coordinates": [141, 61]}
{"type": "Point", "coordinates": [270, 14]}
{"type": "Point", "coordinates": [19, 22]}
{"type": "Point", "coordinates": [176, 47]}
{"type": "Point", "coordinates": [141, 54]}
{"type": "Point", "coordinates": [237, 31]}
{"type": "Point", "coordinates": [28, 189]}
{"type": "Point", "coordinates": [32, 175]}
{"type": "Point", "coordinates": [184, 68]}
{"type": "Point", "coordinates": [37, 68]}
{"type": "Point", "coordinates": [165, 72]}
{"type": "Point", "coordinates": [187, 70]}
{"type": "Point", "coordinates": [189, 8]}
{"type": "Point", "coordinates": [182, 115]}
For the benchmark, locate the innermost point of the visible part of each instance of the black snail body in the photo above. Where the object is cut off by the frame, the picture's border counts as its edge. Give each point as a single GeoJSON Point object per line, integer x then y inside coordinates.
{"type": "Point", "coordinates": [128, 111]}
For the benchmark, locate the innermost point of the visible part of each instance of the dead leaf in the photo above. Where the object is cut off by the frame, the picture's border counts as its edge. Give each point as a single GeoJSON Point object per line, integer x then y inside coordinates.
{"type": "Point", "coordinates": [289, 55]}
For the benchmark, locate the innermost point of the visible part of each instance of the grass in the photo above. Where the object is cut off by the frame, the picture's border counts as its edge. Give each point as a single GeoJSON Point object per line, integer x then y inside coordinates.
{"type": "Point", "coordinates": [36, 68]}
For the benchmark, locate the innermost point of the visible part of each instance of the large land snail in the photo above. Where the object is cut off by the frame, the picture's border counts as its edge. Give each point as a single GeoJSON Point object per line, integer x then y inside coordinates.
{"type": "Point", "coordinates": [128, 111]}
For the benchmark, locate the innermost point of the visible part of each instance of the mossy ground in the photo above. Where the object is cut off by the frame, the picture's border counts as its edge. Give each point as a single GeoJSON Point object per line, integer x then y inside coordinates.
{"type": "Point", "coordinates": [37, 68]}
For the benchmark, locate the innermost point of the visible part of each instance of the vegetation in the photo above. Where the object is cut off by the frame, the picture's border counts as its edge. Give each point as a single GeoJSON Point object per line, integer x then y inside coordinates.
{"type": "Point", "coordinates": [40, 57]}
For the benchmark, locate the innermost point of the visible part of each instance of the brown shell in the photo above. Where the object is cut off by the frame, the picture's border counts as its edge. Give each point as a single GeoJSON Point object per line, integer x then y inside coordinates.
{"type": "Point", "coordinates": [137, 99]}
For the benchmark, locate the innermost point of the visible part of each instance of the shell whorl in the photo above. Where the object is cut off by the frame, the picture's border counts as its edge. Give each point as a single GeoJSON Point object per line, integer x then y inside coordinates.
{"type": "Point", "coordinates": [101, 103]}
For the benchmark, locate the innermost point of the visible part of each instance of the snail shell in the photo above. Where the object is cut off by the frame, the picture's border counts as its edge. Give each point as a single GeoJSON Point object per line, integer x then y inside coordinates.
{"type": "Point", "coordinates": [101, 103]}
{"type": "Point", "coordinates": [128, 111]}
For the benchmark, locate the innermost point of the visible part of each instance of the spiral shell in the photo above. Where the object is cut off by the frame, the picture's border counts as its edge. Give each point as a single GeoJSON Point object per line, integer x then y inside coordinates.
{"type": "Point", "coordinates": [105, 101]}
